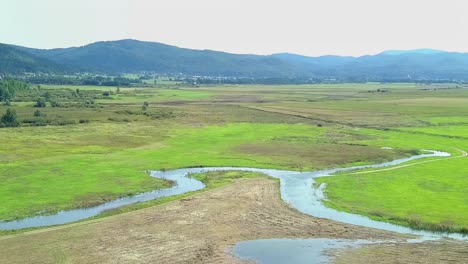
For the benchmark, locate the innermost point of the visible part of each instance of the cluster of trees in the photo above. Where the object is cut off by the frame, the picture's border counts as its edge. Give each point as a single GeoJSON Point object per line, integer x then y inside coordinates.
{"type": "Point", "coordinates": [110, 81]}
{"type": "Point", "coordinates": [8, 89]}
{"type": "Point", "coordinates": [64, 98]}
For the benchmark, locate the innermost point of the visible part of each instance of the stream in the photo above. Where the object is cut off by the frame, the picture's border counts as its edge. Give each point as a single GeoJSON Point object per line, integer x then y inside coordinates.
{"type": "Point", "coordinates": [297, 190]}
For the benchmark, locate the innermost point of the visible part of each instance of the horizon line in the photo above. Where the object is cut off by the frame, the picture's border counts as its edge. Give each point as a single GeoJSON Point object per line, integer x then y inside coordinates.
{"type": "Point", "coordinates": [234, 53]}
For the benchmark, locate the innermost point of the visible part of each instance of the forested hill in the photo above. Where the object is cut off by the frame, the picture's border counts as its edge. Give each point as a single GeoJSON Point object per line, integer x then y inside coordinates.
{"type": "Point", "coordinates": [13, 60]}
{"type": "Point", "coordinates": [137, 56]}
{"type": "Point", "coordinates": [420, 64]}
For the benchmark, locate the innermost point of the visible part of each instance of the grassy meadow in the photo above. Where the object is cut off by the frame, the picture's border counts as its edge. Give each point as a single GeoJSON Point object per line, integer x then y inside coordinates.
{"type": "Point", "coordinates": [97, 143]}
{"type": "Point", "coordinates": [429, 195]}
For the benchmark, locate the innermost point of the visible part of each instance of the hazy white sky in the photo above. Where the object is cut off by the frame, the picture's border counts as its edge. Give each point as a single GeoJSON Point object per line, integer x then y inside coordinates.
{"type": "Point", "coordinates": [309, 27]}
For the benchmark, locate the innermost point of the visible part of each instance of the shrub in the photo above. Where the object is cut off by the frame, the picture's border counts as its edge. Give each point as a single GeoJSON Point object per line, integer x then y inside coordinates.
{"type": "Point", "coordinates": [9, 119]}
{"type": "Point", "coordinates": [36, 122]}
{"type": "Point", "coordinates": [41, 102]}
{"type": "Point", "coordinates": [38, 113]}
{"type": "Point", "coordinates": [118, 119]}
{"type": "Point", "coordinates": [55, 104]}
{"type": "Point", "coordinates": [63, 122]}
{"type": "Point", "coordinates": [47, 95]}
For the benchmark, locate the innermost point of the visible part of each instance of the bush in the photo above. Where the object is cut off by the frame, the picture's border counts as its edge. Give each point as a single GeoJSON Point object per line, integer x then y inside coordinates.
{"type": "Point", "coordinates": [36, 122]}
{"type": "Point", "coordinates": [83, 121]}
{"type": "Point", "coordinates": [9, 119]}
{"type": "Point", "coordinates": [47, 95]}
{"type": "Point", "coordinates": [55, 104]}
{"type": "Point", "coordinates": [118, 119]}
{"type": "Point", "coordinates": [38, 113]}
{"type": "Point", "coordinates": [62, 122]}
{"type": "Point", "coordinates": [41, 102]}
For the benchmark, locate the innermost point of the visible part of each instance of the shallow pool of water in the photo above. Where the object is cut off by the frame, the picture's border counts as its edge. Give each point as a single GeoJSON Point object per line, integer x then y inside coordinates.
{"type": "Point", "coordinates": [291, 251]}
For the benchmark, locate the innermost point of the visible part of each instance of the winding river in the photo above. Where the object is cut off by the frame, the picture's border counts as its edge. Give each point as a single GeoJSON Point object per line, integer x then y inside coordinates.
{"type": "Point", "coordinates": [297, 190]}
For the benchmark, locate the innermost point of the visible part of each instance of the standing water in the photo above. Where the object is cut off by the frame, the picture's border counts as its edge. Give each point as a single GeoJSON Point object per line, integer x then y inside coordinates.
{"type": "Point", "coordinates": [296, 251]}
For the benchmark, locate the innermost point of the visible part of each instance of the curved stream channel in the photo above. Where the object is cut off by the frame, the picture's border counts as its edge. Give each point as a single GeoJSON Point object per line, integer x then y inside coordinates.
{"type": "Point", "coordinates": [297, 190]}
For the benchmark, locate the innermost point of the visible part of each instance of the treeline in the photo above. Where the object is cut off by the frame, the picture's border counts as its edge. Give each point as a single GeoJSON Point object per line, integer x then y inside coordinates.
{"type": "Point", "coordinates": [268, 81]}
{"type": "Point", "coordinates": [8, 89]}
{"type": "Point", "coordinates": [81, 80]}
{"type": "Point", "coordinates": [299, 80]}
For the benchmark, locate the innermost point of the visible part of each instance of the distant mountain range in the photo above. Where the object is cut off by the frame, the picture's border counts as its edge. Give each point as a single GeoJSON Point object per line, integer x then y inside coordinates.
{"type": "Point", "coordinates": [415, 51]}
{"type": "Point", "coordinates": [131, 56]}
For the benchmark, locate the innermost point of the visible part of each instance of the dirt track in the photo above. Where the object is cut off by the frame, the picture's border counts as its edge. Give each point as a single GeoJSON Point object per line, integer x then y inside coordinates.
{"type": "Point", "coordinates": [199, 229]}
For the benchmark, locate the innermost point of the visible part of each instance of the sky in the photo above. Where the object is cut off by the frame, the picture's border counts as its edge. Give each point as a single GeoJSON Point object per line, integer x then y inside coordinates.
{"type": "Point", "coordinates": [308, 27]}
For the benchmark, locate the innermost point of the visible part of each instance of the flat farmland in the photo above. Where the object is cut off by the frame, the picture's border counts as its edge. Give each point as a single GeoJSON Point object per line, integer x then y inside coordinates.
{"type": "Point", "coordinates": [98, 146]}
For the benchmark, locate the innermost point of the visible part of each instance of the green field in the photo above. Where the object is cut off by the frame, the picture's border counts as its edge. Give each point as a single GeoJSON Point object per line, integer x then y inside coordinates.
{"type": "Point", "coordinates": [93, 146]}
{"type": "Point", "coordinates": [430, 195]}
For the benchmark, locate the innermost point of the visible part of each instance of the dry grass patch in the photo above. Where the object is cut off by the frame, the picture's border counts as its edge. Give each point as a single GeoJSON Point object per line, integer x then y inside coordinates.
{"type": "Point", "coordinates": [319, 155]}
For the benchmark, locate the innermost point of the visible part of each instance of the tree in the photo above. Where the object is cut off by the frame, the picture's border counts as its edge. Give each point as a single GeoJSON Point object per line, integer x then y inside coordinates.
{"type": "Point", "coordinates": [41, 102]}
{"type": "Point", "coordinates": [9, 119]}
{"type": "Point", "coordinates": [145, 106]}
